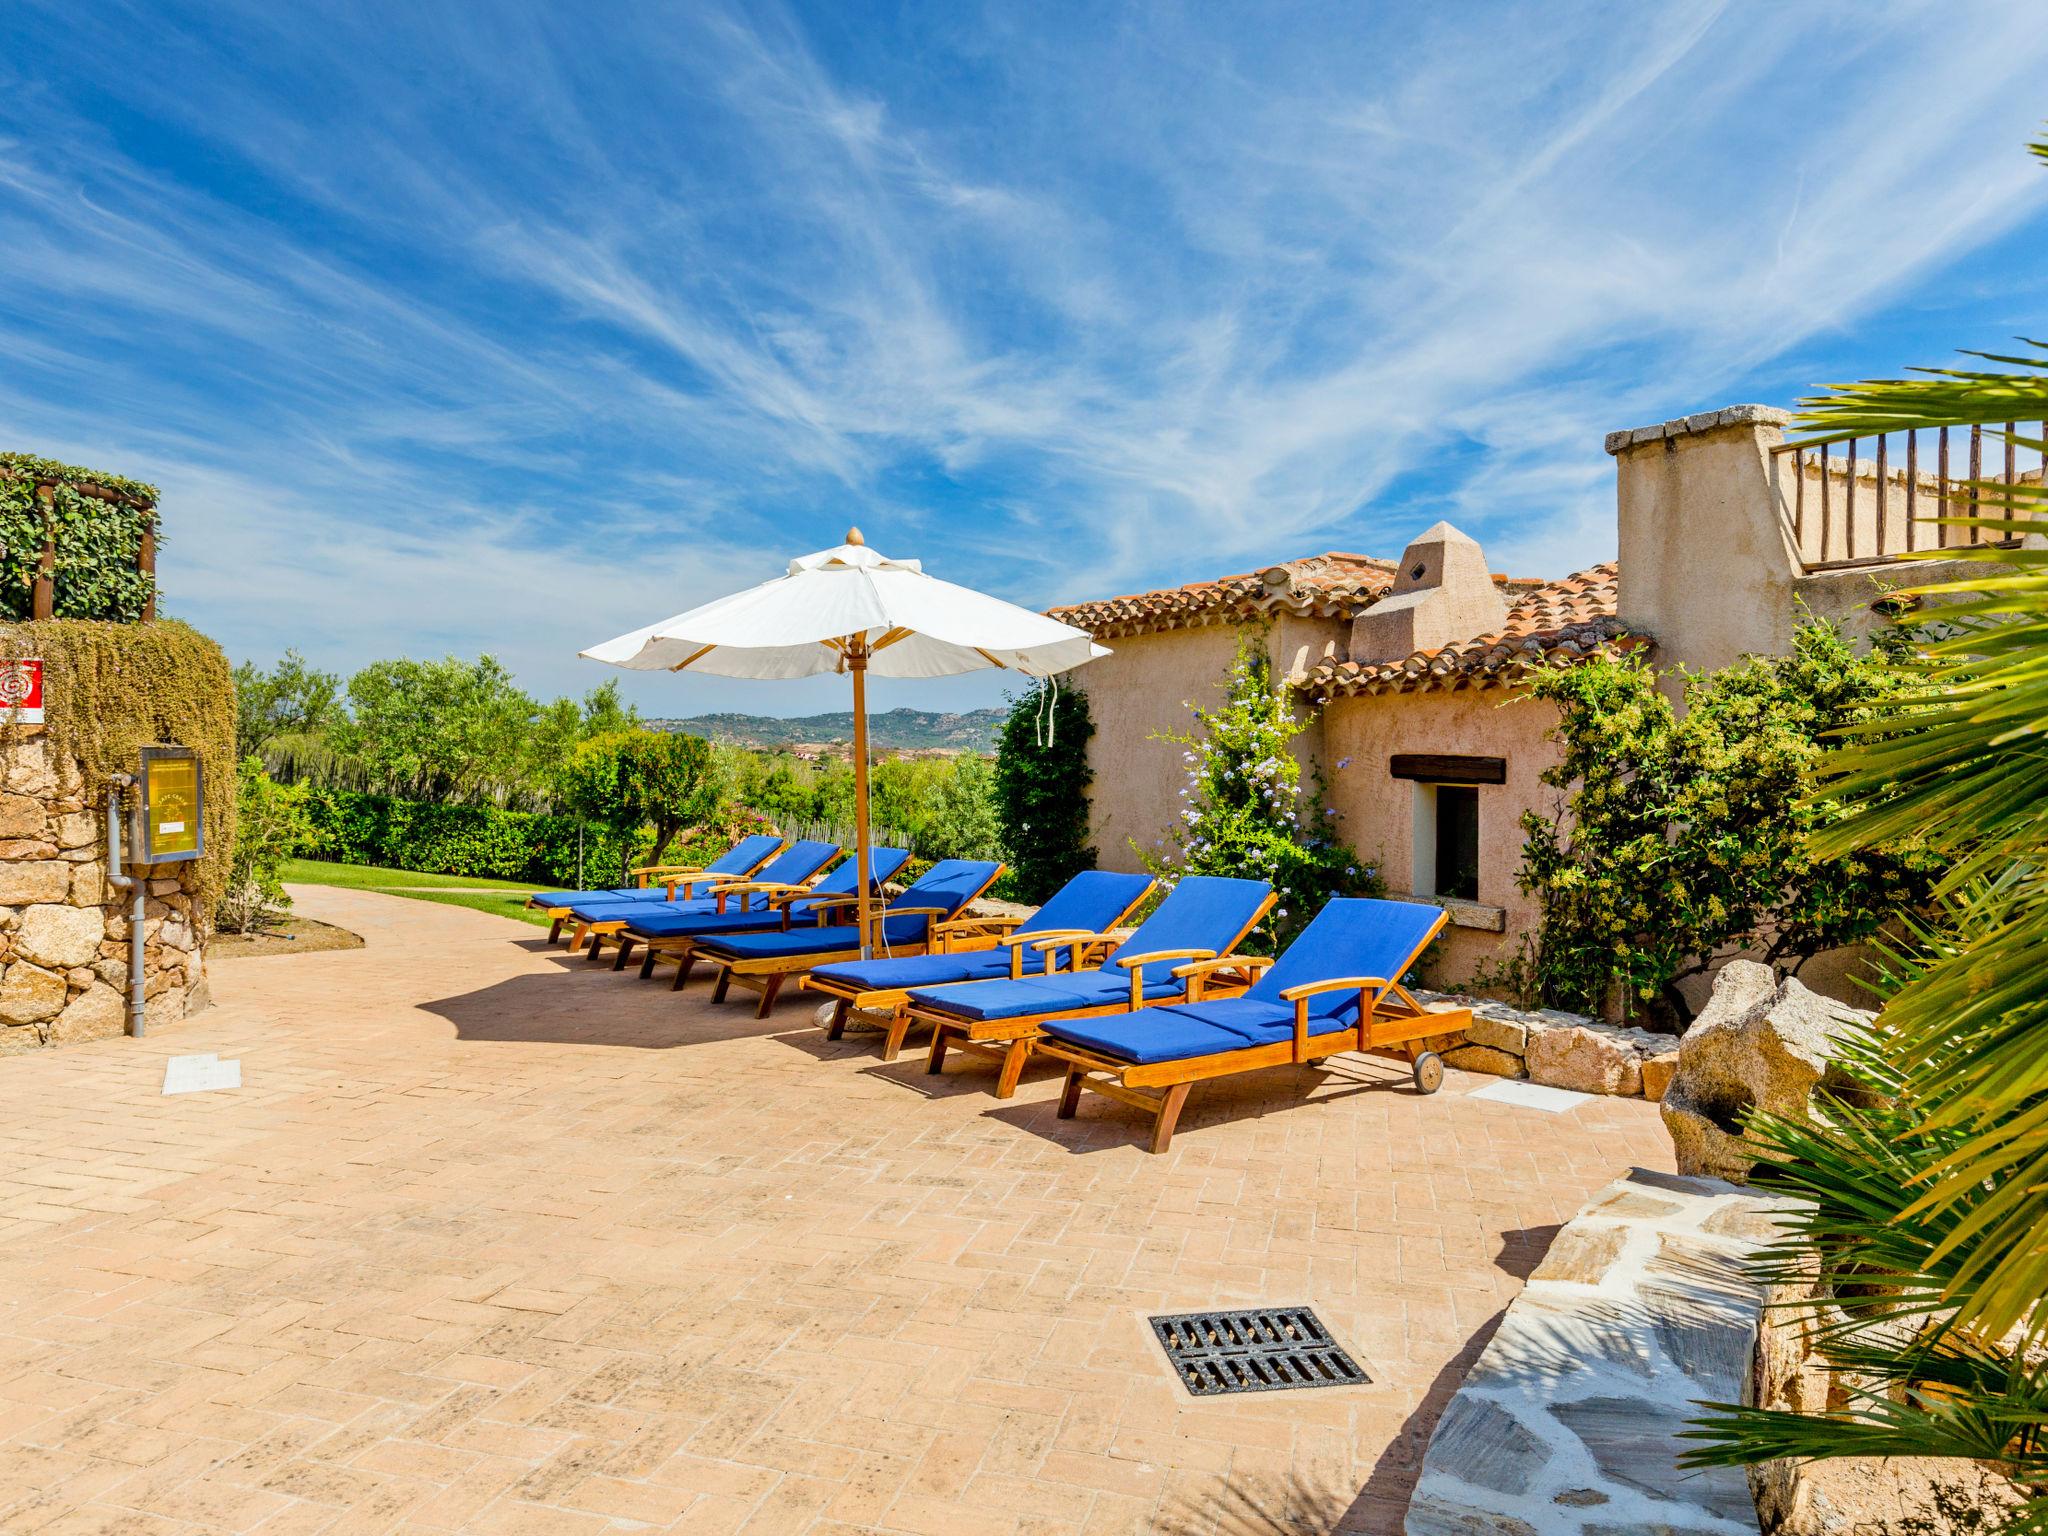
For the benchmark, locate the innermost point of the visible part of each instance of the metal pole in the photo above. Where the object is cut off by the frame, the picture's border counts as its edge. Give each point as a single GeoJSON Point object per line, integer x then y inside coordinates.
{"type": "Point", "coordinates": [138, 887]}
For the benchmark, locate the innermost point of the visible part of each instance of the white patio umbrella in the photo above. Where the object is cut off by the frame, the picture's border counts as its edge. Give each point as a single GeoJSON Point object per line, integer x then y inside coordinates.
{"type": "Point", "coordinates": [854, 610]}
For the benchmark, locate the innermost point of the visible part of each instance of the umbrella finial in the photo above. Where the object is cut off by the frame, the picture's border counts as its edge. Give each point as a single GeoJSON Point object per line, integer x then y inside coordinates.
{"type": "Point", "coordinates": [853, 536]}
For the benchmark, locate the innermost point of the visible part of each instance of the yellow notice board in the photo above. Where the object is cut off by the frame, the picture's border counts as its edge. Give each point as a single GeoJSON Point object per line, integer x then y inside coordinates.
{"type": "Point", "coordinates": [173, 805]}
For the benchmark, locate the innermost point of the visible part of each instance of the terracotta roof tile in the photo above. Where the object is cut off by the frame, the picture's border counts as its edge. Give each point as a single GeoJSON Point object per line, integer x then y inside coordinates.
{"type": "Point", "coordinates": [1553, 624]}
{"type": "Point", "coordinates": [1333, 585]}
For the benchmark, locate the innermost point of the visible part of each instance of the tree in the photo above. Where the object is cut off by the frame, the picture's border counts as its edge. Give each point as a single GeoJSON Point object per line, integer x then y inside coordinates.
{"type": "Point", "coordinates": [1926, 1195]}
{"type": "Point", "coordinates": [440, 730]}
{"type": "Point", "coordinates": [559, 726]}
{"type": "Point", "coordinates": [627, 781]}
{"type": "Point", "coordinates": [1678, 841]}
{"type": "Point", "coordinates": [1247, 814]}
{"type": "Point", "coordinates": [961, 822]}
{"type": "Point", "coordinates": [291, 699]}
{"type": "Point", "coordinates": [1041, 790]}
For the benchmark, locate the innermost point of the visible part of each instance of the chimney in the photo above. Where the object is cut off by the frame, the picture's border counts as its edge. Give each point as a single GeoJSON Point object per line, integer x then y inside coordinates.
{"type": "Point", "coordinates": [1442, 593]}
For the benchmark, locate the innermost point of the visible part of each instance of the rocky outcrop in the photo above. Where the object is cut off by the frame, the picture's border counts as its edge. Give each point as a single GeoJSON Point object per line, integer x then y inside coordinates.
{"type": "Point", "coordinates": [1761, 1043]}
{"type": "Point", "coordinates": [64, 930]}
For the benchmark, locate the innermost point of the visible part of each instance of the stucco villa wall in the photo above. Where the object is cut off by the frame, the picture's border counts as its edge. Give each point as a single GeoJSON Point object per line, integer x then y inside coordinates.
{"type": "Point", "coordinates": [1708, 570]}
{"type": "Point", "coordinates": [1376, 810]}
{"type": "Point", "coordinates": [1142, 689]}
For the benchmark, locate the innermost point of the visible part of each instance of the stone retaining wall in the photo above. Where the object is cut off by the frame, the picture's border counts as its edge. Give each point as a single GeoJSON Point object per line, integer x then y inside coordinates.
{"type": "Point", "coordinates": [1571, 1422]}
{"type": "Point", "coordinates": [64, 929]}
{"type": "Point", "coordinates": [1561, 1050]}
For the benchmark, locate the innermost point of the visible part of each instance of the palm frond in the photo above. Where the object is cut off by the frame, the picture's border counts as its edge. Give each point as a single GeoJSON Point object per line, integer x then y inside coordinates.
{"type": "Point", "coordinates": [2016, 391]}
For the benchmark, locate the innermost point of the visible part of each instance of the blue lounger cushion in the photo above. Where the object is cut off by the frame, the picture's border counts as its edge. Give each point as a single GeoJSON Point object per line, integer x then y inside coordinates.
{"type": "Point", "coordinates": [1182, 1030]}
{"type": "Point", "coordinates": [1091, 901]}
{"type": "Point", "coordinates": [739, 859]}
{"type": "Point", "coordinates": [794, 865]}
{"type": "Point", "coordinates": [1062, 992]}
{"type": "Point", "coordinates": [1207, 912]}
{"type": "Point", "coordinates": [807, 939]}
{"type": "Point", "coordinates": [949, 885]}
{"type": "Point", "coordinates": [897, 972]}
{"type": "Point", "coordinates": [1349, 937]}
{"type": "Point", "coordinates": [667, 920]}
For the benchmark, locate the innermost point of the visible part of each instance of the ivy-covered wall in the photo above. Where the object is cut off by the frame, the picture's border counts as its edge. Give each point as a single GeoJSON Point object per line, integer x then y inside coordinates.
{"type": "Point", "coordinates": [102, 525]}
{"type": "Point", "coordinates": [109, 690]}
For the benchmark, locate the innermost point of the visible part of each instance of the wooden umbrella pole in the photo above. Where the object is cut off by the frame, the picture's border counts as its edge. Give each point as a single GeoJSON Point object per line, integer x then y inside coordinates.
{"type": "Point", "coordinates": [857, 663]}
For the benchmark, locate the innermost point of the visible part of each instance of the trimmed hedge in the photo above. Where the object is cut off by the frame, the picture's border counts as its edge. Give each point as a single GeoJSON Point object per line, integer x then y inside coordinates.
{"type": "Point", "coordinates": [472, 840]}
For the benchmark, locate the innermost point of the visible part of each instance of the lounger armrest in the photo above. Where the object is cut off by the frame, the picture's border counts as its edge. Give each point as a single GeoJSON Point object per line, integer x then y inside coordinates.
{"type": "Point", "coordinates": [746, 890]}
{"type": "Point", "coordinates": [940, 913]}
{"type": "Point", "coordinates": [642, 873]}
{"type": "Point", "coordinates": [1047, 941]}
{"type": "Point", "coordinates": [943, 934]}
{"type": "Point", "coordinates": [1368, 989]}
{"type": "Point", "coordinates": [689, 883]}
{"type": "Point", "coordinates": [1131, 962]}
{"type": "Point", "coordinates": [1049, 945]}
{"type": "Point", "coordinates": [822, 905]}
{"type": "Point", "coordinates": [1047, 938]}
{"type": "Point", "coordinates": [1136, 964]}
{"type": "Point", "coordinates": [984, 923]}
{"type": "Point", "coordinates": [1201, 970]}
{"type": "Point", "coordinates": [1335, 984]}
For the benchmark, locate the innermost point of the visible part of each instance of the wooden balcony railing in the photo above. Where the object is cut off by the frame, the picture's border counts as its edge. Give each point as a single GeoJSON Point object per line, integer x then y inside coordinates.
{"type": "Point", "coordinates": [1842, 510]}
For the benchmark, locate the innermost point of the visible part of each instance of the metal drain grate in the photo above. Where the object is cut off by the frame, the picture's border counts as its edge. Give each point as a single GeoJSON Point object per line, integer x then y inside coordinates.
{"type": "Point", "coordinates": [1270, 1349]}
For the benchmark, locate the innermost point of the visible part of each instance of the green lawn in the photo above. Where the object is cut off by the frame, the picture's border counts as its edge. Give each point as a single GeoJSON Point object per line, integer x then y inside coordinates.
{"type": "Point", "coordinates": [504, 897]}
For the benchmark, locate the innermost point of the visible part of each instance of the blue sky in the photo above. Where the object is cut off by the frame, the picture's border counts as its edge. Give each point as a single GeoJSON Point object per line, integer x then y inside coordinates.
{"type": "Point", "coordinates": [509, 327]}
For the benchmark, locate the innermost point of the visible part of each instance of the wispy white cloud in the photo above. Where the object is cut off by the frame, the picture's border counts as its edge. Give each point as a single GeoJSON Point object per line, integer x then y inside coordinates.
{"type": "Point", "coordinates": [460, 330]}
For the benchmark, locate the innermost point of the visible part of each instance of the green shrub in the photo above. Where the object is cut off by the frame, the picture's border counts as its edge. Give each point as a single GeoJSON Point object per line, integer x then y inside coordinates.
{"type": "Point", "coordinates": [1680, 840]}
{"type": "Point", "coordinates": [100, 522]}
{"type": "Point", "coordinates": [1041, 791]}
{"type": "Point", "coordinates": [1246, 813]}
{"type": "Point", "coordinates": [274, 822]}
{"type": "Point", "coordinates": [960, 821]}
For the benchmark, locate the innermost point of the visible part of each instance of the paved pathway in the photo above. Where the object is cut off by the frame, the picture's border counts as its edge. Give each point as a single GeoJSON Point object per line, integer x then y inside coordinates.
{"type": "Point", "coordinates": [487, 1246]}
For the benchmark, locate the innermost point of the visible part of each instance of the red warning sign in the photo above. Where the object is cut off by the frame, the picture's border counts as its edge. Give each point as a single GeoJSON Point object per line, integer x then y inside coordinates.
{"type": "Point", "coordinates": [21, 690]}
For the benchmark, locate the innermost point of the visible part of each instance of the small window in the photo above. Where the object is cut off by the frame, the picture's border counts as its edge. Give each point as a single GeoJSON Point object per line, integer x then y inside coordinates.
{"type": "Point", "coordinates": [1446, 840]}
{"type": "Point", "coordinates": [1457, 842]}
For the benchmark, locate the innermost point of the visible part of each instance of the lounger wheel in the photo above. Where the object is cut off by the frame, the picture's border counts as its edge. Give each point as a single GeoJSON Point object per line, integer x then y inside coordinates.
{"type": "Point", "coordinates": [1429, 1072]}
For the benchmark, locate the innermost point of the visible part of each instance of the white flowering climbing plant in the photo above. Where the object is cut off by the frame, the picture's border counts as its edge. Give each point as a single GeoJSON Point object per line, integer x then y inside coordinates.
{"type": "Point", "coordinates": [1244, 810]}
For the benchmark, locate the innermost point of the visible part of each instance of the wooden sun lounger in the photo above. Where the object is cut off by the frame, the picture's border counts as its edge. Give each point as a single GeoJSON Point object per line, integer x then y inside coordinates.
{"type": "Point", "coordinates": [961, 936]}
{"type": "Point", "coordinates": [1008, 1041]}
{"type": "Point", "coordinates": [767, 975]}
{"type": "Point", "coordinates": [1390, 1023]}
{"type": "Point", "coordinates": [671, 877]}
{"type": "Point", "coordinates": [680, 950]}
{"type": "Point", "coordinates": [775, 897]}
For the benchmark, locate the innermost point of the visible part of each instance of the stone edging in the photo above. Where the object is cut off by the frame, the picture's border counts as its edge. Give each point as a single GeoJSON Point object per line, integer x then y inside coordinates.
{"type": "Point", "coordinates": [1561, 1050]}
{"type": "Point", "coordinates": [1568, 1423]}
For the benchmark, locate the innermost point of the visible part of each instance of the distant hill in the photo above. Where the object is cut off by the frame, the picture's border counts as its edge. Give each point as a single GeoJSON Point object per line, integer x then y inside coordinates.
{"type": "Point", "coordinates": [898, 730]}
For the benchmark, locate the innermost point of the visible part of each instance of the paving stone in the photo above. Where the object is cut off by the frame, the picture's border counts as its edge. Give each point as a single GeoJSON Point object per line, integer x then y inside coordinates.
{"type": "Point", "coordinates": [479, 1206]}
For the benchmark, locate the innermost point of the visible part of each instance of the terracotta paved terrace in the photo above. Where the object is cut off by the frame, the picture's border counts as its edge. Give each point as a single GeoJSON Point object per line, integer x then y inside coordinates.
{"type": "Point", "coordinates": [493, 1241]}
